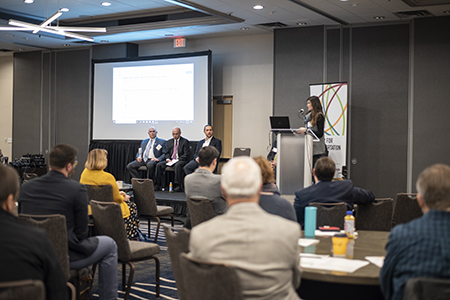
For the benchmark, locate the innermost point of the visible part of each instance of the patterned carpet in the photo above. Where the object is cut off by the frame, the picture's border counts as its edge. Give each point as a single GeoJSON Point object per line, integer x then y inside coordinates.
{"type": "Point", "coordinates": [144, 277]}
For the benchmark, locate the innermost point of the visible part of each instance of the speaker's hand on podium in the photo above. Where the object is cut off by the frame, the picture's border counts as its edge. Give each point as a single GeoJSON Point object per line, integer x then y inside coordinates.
{"type": "Point", "coordinates": [301, 130]}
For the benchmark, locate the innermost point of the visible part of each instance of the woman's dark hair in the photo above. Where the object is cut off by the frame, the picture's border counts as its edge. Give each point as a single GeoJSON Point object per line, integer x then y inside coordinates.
{"type": "Point", "coordinates": [317, 109]}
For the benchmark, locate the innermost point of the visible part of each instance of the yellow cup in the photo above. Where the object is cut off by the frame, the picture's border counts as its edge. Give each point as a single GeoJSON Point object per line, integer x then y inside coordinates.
{"type": "Point", "coordinates": [339, 244]}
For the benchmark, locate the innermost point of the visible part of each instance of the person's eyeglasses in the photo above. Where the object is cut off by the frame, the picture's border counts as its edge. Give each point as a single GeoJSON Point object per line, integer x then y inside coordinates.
{"type": "Point", "coordinates": [75, 163]}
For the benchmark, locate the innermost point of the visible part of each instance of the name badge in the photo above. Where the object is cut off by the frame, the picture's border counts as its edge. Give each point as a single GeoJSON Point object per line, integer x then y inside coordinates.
{"type": "Point", "coordinates": [158, 147]}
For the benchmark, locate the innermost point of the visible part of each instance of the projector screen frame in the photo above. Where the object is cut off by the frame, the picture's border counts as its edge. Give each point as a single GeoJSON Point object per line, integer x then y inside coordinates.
{"type": "Point", "coordinates": [207, 53]}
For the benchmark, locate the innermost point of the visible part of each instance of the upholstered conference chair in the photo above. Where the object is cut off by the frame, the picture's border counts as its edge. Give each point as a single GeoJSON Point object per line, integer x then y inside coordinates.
{"type": "Point", "coordinates": [100, 192]}
{"type": "Point", "coordinates": [330, 214]}
{"type": "Point", "coordinates": [200, 209]}
{"type": "Point", "coordinates": [108, 221]}
{"type": "Point", "coordinates": [177, 244]}
{"type": "Point", "coordinates": [22, 289]}
{"type": "Point", "coordinates": [423, 288]}
{"type": "Point", "coordinates": [144, 197]}
{"type": "Point", "coordinates": [209, 281]}
{"type": "Point", "coordinates": [375, 216]}
{"type": "Point", "coordinates": [242, 152]}
{"type": "Point", "coordinates": [406, 209]}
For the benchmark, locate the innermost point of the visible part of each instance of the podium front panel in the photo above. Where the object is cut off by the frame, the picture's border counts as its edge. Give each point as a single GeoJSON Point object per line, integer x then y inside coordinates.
{"type": "Point", "coordinates": [290, 162]}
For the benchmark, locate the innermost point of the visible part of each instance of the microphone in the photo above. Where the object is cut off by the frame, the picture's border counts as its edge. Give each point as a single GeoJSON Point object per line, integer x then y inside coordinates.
{"type": "Point", "coordinates": [302, 111]}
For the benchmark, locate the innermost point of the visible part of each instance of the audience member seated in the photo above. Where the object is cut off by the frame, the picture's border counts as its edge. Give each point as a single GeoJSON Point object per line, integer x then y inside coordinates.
{"type": "Point", "coordinates": [152, 151]}
{"type": "Point", "coordinates": [209, 140]}
{"type": "Point", "coordinates": [178, 152]}
{"type": "Point", "coordinates": [94, 174]}
{"type": "Point", "coordinates": [203, 182]}
{"type": "Point", "coordinates": [421, 248]}
{"type": "Point", "coordinates": [270, 199]}
{"type": "Point", "coordinates": [272, 156]}
{"type": "Point", "coordinates": [26, 251]}
{"type": "Point", "coordinates": [263, 248]}
{"type": "Point", "coordinates": [57, 193]}
{"type": "Point", "coordinates": [327, 191]}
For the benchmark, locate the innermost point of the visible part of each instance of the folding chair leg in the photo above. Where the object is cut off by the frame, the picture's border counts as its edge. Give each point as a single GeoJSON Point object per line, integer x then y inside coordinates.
{"type": "Point", "coordinates": [148, 219]}
{"type": "Point", "coordinates": [124, 276]}
{"type": "Point", "coordinates": [130, 280]}
{"type": "Point", "coordinates": [157, 269]}
{"type": "Point", "coordinates": [157, 229]}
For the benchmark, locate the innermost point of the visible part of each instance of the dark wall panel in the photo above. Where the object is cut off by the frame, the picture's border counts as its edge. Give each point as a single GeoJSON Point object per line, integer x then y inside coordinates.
{"type": "Point", "coordinates": [431, 94]}
{"type": "Point", "coordinates": [26, 103]}
{"type": "Point", "coordinates": [379, 108]}
{"type": "Point", "coordinates": [298, 62]}
{"type": "Point", "coordinates": [333, 54]}
{"type": "Point", "coordinates": [72, 101]}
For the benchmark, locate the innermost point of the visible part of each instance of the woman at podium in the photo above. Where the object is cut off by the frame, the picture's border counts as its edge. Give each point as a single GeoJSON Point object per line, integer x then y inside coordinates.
{"type": "Point", "coordinates": [315, 122]}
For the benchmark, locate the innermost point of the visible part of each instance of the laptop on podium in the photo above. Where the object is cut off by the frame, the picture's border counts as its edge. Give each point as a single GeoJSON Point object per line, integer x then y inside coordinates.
{"type": "Point", "coordinates": [279, 123]}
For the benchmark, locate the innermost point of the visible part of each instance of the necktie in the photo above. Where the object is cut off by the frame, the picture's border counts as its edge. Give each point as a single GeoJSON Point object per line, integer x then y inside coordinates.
{"type": "Point", "coordinates": [175, 149]}
{"type": "Point", "coordinates": [152, 153]}
{"type": "Point", "coordinates": [147, 150]}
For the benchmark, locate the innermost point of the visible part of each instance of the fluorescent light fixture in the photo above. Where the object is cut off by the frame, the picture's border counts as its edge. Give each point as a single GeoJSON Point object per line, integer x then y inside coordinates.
{"type": "Point", "coordinates": [28, 1]}
{"type": "Point", "coordinates": [106, 3]}
{"type": "Point", "coordinates": [83, 29]}
{"type": "Point", "coordinates": [258, 6]}
{"type": "Point", "coordinates": [49, 20]}
{"type": "Point", "coordinates": [29, 26]}
{"type": "Point", "coordinates": [64, 9]}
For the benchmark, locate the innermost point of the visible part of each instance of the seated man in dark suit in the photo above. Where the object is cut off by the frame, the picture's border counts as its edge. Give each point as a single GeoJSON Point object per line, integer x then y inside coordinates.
{"type": "Point", "coordinates": [327, 191]}
{"type": "Point", "coordinates": [203, 182]}
{"type": "Point", "coordinates": [26, 251]}
{"type": "Point", "coordinates": [152, 151]}
{"type": "Point", "coordinates": [421, 248]}
{"type": "Point", "coordinates": [177, 150]}
{"type": "Point", "coordinates": [57, 193]}
{"type": "Point", "coordinates": [210, 140]}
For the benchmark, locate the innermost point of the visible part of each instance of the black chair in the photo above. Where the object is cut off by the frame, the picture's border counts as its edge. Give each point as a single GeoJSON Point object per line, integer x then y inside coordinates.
{"type": "Point", "coordinates": [144, 197]}
{"type": "Point", "coordinates": [55, 227]}
{"type": "Point", "coordinates": [108, 221]}
{"type": "Point", "coordinates": [375, 216]}
{"type": "Point", "coordinates": [209, 281]}
{"type": "Point", "coordinates": [22, 289]}
{"type": "Point", "coordinates": [200, 209]}
{"type": "Point", "coordinates": [423, 288]}
{"type": "Point", "coordinates": [177, 244]}
{"type": "Point", "coordinates": [330, 214]}
{"type": "Point", "coordinates": [406, 209]}
{"type": "Point", "coordinates": [101, 193]}
{"type": "Point", "coordinates": [241, 152]}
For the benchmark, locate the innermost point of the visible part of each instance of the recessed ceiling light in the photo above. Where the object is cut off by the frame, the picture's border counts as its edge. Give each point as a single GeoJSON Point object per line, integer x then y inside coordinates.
{"type": "Point", "coordinates": [64, 9]}
{"type": "Point", "coordinates": [104, 41]}
{"type": "Point", "coordinates": [378, 17]}
{"type": "Point", "coordinates": [244, 28]}
{"type": "Point", "coordinates": [28, 1]}
{"type": "Point", "coordinates": [301, 23]}
{"type": "Point", "coordinates": [258, 6]}
{"type": "Point", "coordinates": [106, 3]}
{"type": "Point", "coordinates": [446, 11]}
{"type": "Point", "coordinates": [9, 34]}
{"type": "Point", "coordinates": [344, 0]}
{"type": "Point", "coordinates": [21, 49]}
{"type": "Point", "coordinates": [355, 4]}
{"type": "Point", "coordinates": [65, 45]}
{"type": "Point", "coordinates": [168, 35]}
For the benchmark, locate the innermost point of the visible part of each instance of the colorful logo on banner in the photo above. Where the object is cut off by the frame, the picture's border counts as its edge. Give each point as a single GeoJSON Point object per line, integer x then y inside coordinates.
{"type": "Point", "coordinates": [333, 97]}
{"type": "Point", "coordinates": [334, 108]}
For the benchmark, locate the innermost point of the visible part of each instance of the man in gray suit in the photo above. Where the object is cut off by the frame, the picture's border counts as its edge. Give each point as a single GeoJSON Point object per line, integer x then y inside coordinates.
{"type": "Point", "coordinates": [263, 248]}
{"type": "Point", "coordinates": [203, 182]}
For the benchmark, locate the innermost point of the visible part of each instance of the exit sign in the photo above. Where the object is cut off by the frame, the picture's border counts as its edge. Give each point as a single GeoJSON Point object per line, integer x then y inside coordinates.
{"type": "Point", "coordinates": [179, 43]}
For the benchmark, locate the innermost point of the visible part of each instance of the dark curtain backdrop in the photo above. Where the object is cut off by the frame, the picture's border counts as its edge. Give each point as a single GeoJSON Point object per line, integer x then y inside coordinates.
{"type": "Point", "coordinates": [120, 153]}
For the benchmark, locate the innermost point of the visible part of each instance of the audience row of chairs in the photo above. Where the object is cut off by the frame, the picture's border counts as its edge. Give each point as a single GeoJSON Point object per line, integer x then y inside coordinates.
{"type": "Point", "coordinates": [381, 215]}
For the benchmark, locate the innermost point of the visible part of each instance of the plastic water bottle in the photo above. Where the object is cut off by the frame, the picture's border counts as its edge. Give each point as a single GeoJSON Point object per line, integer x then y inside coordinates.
{"type": "Point", "coordinates": [170, 187]}
{"type": "Point", "coordinates": [310, 221]}
{"type": "Point", "coordinates": [349, 224]}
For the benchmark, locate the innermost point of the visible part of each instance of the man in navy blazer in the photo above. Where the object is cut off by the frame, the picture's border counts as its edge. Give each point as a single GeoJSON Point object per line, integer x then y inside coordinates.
{"type": "Point", "coordinates": [180, 156]}
{"type": "Point", "coordinates": [152, 151]}
{"type": "Point", "coordinates": [327, 191]}
{"type": "Point", "coordinates": [210, 140]}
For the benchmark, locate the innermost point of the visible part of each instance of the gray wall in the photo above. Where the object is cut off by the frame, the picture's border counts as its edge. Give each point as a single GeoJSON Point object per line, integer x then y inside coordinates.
{"type": "Point", "coordinates": [397, 76]}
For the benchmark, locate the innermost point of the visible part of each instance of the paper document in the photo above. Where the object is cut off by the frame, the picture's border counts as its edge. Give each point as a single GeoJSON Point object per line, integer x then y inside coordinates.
{"type": "Point", "coordinates": [307, 242]}
{"type": "Point", "coordinates": [171, 163]}
{"type": "Point", "coordinates": [333, 264]}
{"type": "Point", "coordinates": [332, 233]}
{"type": "Point", "coordinates": [376, 260]}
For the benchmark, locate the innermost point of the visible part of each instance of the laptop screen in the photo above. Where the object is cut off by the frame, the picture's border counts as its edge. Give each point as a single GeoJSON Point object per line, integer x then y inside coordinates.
{"type": "Point", "coordinates": [279, 122]}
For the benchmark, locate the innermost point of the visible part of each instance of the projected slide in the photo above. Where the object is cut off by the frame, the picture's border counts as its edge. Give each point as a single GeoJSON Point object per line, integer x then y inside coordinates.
{"type": "Point", "coordinates": [164, 91]}
{"type": "Point", "coordinates": [137, 91]}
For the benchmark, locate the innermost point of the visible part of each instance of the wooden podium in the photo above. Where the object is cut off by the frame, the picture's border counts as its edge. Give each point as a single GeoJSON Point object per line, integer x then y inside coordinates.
{"type": "Point", "coordinates": [294, 161]}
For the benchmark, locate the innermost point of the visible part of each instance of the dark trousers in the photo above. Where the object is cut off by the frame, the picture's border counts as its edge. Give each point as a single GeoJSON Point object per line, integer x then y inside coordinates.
{"type": "Point", "coordinates": [133, 167]}
{"type": "Point", "coordinates": [178, 169]}
{"type": "Point", "coordinates": [190, 167]}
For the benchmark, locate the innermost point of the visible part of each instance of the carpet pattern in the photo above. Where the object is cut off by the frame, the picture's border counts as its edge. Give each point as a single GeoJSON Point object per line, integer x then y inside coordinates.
{"type": "Point", "coordinates": [144, 276]}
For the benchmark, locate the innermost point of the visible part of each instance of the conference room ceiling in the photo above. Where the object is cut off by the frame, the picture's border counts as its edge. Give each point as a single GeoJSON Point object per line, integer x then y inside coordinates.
{"type": "Point", "coordinates": [138, 21]}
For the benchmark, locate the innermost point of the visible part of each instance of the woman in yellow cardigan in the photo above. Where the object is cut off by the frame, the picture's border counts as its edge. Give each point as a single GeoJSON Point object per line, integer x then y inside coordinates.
{"type": "Point", "coordinates": [93, 174]}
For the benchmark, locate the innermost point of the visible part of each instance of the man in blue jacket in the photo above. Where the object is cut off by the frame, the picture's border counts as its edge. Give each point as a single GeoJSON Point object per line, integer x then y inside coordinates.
{"type": "Point", "coordinates": [152, 151]}
{"type": "Point", "coordinates": [327, 191]}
